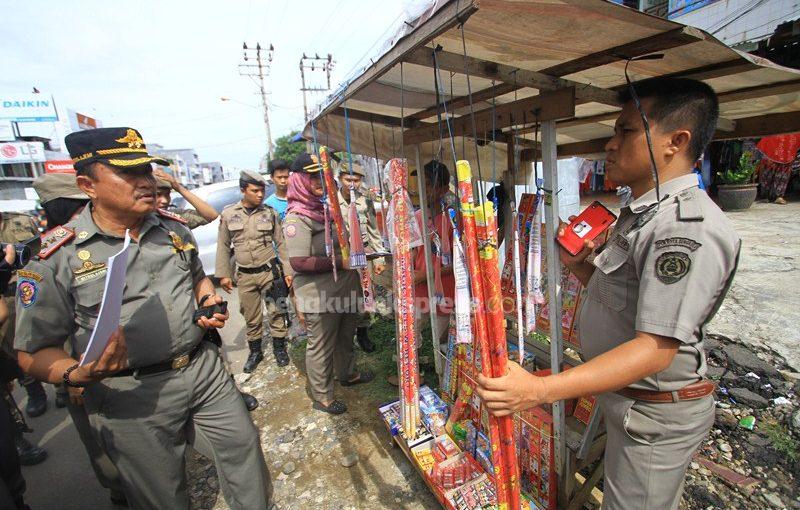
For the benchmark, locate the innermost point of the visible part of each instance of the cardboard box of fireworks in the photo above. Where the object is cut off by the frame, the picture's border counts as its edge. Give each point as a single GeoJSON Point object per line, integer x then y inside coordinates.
{"type": "Point", "coordinates": [447, 462]}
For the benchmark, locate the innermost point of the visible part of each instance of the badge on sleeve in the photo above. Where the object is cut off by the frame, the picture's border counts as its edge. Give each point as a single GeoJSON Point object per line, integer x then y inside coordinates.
{"type": "Point", "coordinates": [291, 230]}
{"type": "Point", "coordinates": [28, 289]}
{"type": "Point", "coordinates": [672, 266]}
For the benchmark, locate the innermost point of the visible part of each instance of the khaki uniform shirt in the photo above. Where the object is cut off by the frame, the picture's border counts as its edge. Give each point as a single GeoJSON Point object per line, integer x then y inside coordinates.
{"type": "Point", "coordinates": [248, 236]}
{"type": "Point", "coordinates": [663, 272]}
{"type": "Point", "coordinates": [318, 292]}
{"type": "Point", "coordinates": [370, 235]}
{"type": "Point", "coordinates": [17, 227]}
{"type": "Point", "coordinates": [193, 218]}
{"type": "Point", "coordinates": [59, 298]}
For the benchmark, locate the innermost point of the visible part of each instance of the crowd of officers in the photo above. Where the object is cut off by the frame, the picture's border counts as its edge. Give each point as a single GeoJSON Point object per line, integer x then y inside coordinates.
{"type": "Point", "coordinates": [162, 383]}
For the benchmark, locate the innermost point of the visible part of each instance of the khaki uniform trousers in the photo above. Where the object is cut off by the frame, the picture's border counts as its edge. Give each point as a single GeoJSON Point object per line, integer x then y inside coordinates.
{"type": "Point", "coordinates": [144, 423]}
{"type": "Point", "coordinates": [649, 447]}
{"type": "Point", "coordinates": [251, 289]}
{"type": "Point", "coordinates": [105, 470]}
{"type": "Point", "coordinates": [329, 349]}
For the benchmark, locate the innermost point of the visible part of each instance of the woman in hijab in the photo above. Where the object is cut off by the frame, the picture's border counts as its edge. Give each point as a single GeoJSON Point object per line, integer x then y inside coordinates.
{"type": "Point", "coordinates": [330, 304]}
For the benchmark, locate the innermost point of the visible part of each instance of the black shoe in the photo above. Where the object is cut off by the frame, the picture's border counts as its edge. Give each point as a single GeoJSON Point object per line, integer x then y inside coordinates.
{"type": "Point", "coordinates": [29, 454]}
{"type": "Point", "coordinates": [250, 401]}
{"type": "Point", "coordinates": [62, 399]}
{"type": "Point", "coordinates": [255, 357]}
{"type": "Point", "coordinates": [334, 407]}
{"type": "Point", "coordinates": [279, 350]}
{"type": "Point", "coordinates": [363, 340]}
{"type": "Point", "coordinates": [118, 498]}
{"type": "Point", "coordinates": [37, 399]}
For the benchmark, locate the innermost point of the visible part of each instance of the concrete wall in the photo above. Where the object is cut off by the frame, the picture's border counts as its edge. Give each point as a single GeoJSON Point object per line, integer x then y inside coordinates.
{"type": "Point", "coordinates": [754, 21]}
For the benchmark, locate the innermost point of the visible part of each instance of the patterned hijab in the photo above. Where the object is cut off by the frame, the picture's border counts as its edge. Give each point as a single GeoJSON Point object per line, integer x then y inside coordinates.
{"type": "Point", "coordinates": [302, 200]}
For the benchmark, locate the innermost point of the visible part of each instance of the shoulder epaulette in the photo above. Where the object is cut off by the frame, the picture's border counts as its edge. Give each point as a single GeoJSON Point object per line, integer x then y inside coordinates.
{"type": "Point", "coordinates": [689, 208]}
{"type": "Point", "coordinates": [54, 239]}
{"type": "Point", "coordinates": [171, 216]}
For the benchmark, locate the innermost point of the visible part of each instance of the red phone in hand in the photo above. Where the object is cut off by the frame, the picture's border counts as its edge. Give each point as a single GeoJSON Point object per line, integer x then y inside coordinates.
{"type": "Point", "coordinates": [593, 221]}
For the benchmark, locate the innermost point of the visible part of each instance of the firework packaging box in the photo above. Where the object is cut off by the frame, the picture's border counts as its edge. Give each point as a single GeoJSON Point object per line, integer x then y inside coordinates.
{"type": "Point", "coordinates": [477, 494]}
{"type": "Point", "coordinates": [537, 467]}
{"type": "Point", "coordinates": [423, 455]}
{"type": "Point", "coordinates": [434, 411]}
{"type": "Point", "coordinates": [528, 361]}
{"type": "Point", "coordinates": [583, 409]}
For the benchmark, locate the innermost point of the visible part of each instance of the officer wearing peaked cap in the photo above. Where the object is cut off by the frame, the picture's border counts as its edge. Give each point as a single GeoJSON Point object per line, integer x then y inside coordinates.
{"type": "Point", "coordinates": [247, 231]}
{"type": "Point", "coordinates": [155, 378]}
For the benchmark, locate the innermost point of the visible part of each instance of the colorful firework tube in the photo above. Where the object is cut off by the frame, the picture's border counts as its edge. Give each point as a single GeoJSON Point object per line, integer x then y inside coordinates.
{"type": "Point", "coordinates": [486, 223]}
{"type": "Point", "coordinates": [333, 202]}
{"type": "Point", "coordinates": [464, 396]}
{"type": "Point", "coordinates": [464, 174]}
{"type": "Point", "coordinates": [367, 290]}
{"type": "Point", "coordinates": [404, 298]}
{"type": "Point", "coordinates": [518, 282]}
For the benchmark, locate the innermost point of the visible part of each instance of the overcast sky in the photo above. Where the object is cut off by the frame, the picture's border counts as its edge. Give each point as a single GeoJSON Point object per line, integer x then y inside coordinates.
{"type": "Point", "coordinates": [162, 66]}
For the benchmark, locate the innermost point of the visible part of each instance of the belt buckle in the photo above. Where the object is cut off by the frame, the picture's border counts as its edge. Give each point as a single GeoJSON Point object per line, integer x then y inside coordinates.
{"type": "Point", "coordinates": [180, 362]}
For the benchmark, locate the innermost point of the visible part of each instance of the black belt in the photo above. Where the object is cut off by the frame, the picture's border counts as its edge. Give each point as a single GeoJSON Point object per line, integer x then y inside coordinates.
{"type": "Point", "coordinates": [255, 270]}
{"type": "Point", "coordinates": [172, 364]}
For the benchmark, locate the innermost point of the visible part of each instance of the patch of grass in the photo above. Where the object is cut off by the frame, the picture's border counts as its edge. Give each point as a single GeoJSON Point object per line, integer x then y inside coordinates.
{"type": "Point", "coordinates": [782, 440]}
{"type": "Point", "coordinates": [381, 362]}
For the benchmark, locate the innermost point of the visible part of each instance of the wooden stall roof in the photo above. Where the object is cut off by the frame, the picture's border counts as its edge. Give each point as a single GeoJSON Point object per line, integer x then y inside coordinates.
{"type": "Point", "coordinates": [559, 59]}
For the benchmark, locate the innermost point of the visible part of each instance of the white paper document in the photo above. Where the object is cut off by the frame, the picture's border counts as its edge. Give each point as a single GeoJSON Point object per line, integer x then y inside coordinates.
{"type": "Point", "coordinates": [111, 305]}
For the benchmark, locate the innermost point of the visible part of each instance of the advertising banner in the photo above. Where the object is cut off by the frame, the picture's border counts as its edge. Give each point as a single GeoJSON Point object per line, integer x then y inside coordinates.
{"type": "Point", "coordinates": [28, 108]}
{"type": "Point", "coordinates": [59, 166]}
{"type": "Point", "coordinates": [21, 152]}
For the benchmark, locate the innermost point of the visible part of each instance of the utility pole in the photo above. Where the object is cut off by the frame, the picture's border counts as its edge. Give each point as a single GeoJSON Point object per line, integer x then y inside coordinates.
{"type": "Point", "coordinates": [259, 69]}
{"type": "Point", "coordinates": [315, 63]}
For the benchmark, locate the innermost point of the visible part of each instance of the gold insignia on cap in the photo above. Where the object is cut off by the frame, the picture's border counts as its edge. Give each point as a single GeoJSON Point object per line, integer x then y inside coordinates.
{"type": "Point", "coordinates": [132, 139]}
{"type": "Point", "coordinates": [84, 255]}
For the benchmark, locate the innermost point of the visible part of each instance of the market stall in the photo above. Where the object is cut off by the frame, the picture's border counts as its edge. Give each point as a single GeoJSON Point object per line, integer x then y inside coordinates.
{"type": "Point", "coordinates": [501, 85]}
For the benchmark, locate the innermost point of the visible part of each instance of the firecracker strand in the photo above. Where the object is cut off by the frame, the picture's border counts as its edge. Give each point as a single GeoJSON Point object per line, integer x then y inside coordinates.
{"type": "Point", "coordinates": [469, 234]}
{"type": "Point", "coordinates": [333, 202]}
{"type": "Point", "coordinates": [486, 222]}
{"type": "Point", "coordinates": [516, 247]}
{"type": "Point", "coordinates": [404, 298]}
{"type": "Point", "coordinates": [358, 257]}
{"type": "Point", "coordinates": [533, 284]}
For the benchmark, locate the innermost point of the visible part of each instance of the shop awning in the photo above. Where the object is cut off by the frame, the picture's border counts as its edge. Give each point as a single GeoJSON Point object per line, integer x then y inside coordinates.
{"type": "Point", "coordinates": [558, 59]}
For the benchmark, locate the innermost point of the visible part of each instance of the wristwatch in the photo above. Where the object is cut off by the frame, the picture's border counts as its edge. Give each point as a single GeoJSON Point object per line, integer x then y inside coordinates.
{"type": "Point", "coordinates": [67, 380]}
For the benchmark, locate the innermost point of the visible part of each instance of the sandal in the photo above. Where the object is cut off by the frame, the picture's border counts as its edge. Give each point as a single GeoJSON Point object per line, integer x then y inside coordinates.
{"type": "Point", "coordinates": [334, 407]}
{"type": "Point", "coordinates": [363, 377]}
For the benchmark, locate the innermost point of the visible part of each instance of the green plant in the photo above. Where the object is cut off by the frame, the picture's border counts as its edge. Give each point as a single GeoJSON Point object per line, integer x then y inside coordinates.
{"type": "Point", "coordinates": [286, 149]}
{"type": "Point", "coordinates": [744, 173]}
{"type": "Point", "coordinates": [782, 441]}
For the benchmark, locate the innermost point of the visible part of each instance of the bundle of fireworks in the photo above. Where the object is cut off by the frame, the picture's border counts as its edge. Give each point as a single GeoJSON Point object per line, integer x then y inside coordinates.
{"type": "Point", "coordinates": [454, 471]}
{"type": "Point", "coordinates": [392, 416]}
{"type": "Point", "coordinates": [528, 206]}
{"type": "Point", "coordinates": [480, 250]}
{"type": "Point", "coordinates": [403, 223]}
{"type": "Point", "coordinates": [537, 457]}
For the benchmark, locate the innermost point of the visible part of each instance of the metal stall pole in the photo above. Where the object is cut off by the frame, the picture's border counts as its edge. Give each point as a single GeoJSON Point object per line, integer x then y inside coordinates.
{"type": "Point", "coordinates": [550, 171]}
{"type": "Point", "coordinates": [426, 235]}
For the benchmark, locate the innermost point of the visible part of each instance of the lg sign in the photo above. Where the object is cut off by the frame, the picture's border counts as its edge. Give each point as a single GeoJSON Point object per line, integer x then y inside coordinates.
{"type": "Point", "coordinates": [9, 151]}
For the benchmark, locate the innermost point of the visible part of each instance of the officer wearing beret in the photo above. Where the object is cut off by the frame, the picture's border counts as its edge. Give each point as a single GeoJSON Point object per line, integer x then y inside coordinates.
{"type": "Point", "coordinates": [370, 235]}
{"type": "Point", "coordinates": [651, 290]}
{"type": "Point", "coordinates": [202, 214]}
{"type": "Point", "coordinates": [329, 304]}
{"type": "Point", "coordinates": [156, 378]}
{"type": "Point", "coordinates": [247, 231]}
